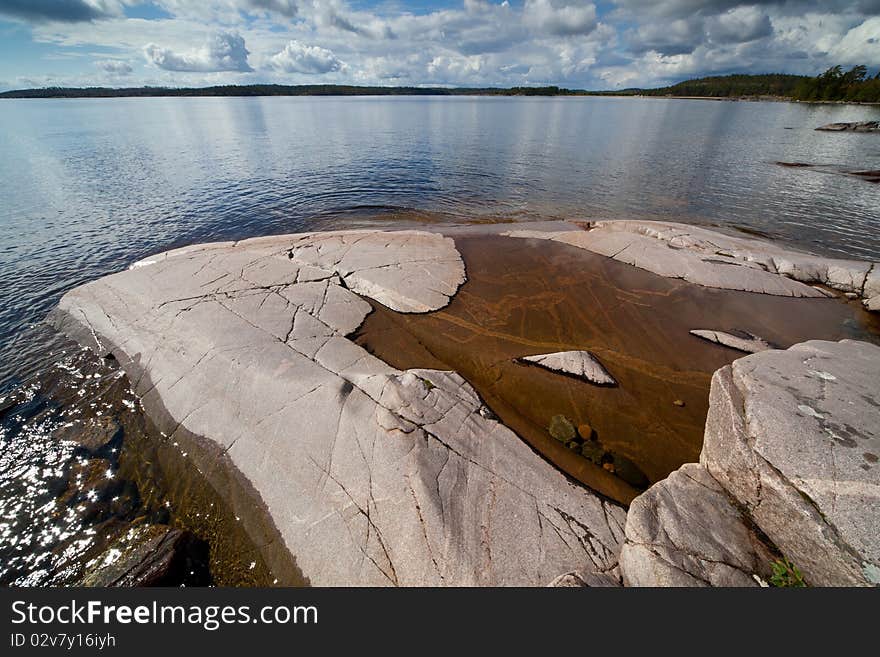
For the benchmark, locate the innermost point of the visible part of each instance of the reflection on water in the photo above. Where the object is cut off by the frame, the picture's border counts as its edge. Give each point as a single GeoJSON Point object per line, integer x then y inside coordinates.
{"type": "Point", "coordinates": [87, 186]}
{"type": "Point", "coordinates": [81, 490]}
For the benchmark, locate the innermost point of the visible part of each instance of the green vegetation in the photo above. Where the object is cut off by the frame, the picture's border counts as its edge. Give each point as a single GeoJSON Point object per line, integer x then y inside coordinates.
{"type": "Point", "coordinates": [786, 574]}
{"type": "Point", "coordinates": [727, 86]}
{"type": "Point", "coordinates": [834, 84]}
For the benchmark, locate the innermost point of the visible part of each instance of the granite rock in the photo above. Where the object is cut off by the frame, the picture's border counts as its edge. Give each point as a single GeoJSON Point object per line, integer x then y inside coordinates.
{"type": "Point", "coordinates": [713, 259]}
{"type": "Point", "coordinates": [794, 436]}
{"type": "Point", "coordinates": [686, 531]}
{"type": "Point", "coordinates": [371, 475]}
{"type": "Point", "coordinates": [588, 579]}
{"type": "Point", "coordinates": [745, 341]}
{"type": "Point", "coordinates": [580, 364]}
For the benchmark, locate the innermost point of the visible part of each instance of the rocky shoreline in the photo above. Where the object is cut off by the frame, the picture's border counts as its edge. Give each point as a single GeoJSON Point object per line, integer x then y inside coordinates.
{"type": "Point", "coordinates": [368, 474]}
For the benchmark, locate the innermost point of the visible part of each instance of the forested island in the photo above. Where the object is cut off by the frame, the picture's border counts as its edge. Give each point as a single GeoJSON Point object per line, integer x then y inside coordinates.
{"type": "Point", "coordinates": [834, 85]}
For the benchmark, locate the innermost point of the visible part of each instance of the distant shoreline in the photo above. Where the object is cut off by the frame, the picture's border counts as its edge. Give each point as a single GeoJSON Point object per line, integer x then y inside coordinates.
{"type": "Point", "coordinates": [339, 91]}
{"type": "Point", "coordinates": [833, 86]}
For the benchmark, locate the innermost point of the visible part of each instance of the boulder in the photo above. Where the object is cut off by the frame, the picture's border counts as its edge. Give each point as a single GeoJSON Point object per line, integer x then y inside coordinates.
{"type": "Point", "coordinates": [371, 475]}
{"type": "Point", "coordinates": [579, 364]}
{"type": "Point", "coordinates": [794, 436]}
{"type": "Point", "coordinates": [686, 531]}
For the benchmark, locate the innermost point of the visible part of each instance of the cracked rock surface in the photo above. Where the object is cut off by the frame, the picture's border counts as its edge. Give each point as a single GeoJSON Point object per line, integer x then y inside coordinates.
{"type": "Point", "coordinates": [750, 344]}
{"type": "Point", "coordinates": [794, 435]}
{"type": "Point", "coordinates": [705, 257]}
{"type": "Point", "coordinates": [581, 364]}
{"type": "Point", "coordinates": [371, 475]}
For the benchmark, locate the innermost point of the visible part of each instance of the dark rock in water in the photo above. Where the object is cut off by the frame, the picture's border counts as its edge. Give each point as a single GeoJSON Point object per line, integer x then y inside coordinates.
{"type": "Point", "coordinates": [855, 126]}
{"type": "Point", "coordinates": [592, 451]}
{"type": "Point", "coordinates": [88, 475]}
{"type": "Point", "coordinates": [629, 472]}
{"type": "Point", "coordinates": [870, 175]}
{"type": "Point", "coordinates": [93, 434]}
{"type": "Point", "coordinates": [794, 165]}
{"type": "Point", "coordinates": [562, 429]}
{"type": "Point", "coordinates": [152, 555]}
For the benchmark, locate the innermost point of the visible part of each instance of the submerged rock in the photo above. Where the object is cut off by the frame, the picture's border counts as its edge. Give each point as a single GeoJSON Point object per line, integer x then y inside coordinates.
{"type": "Point", "coordinates": [372, 475]}
{"type": "Point", "coordinates": [742, 341]}
{"type": "Point", "coordinates": [93, 434]}
{"type": "Point", "coordinates": [581, 364]}
{"type": "Point", "coordinates": [712, 259]}
{"type": "Point", "coordinates": [151, 555]}
{"type": "Point", "coordinates": [562, 429]}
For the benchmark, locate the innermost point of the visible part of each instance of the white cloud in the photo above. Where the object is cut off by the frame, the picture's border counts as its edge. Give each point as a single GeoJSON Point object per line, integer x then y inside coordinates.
{"type": "Point", "coordinates": [740, 25]}
{"type": "Point", "coordinates": [225, 51]}
{"type": "Point", "coordinates": [298, 57]}
{"type": "Point", "coordinates": [860, 45]}
{"type": "Point", "coordinates": [560, 19]}
{"type": "Point", "coordinates": [475, 42]}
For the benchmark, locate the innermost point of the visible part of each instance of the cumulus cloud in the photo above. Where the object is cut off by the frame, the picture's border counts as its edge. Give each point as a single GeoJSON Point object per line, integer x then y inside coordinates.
{"type": "Point", "coordinates": [70, 11]}
{"type": "Point", "coordinates": [859, 45]}
{"type": "Point", "coordinates": [577, 44]}
{"type": "Point", "coordinates": [114, 67]}
{"type": "Point", "coordinates": [560, 18]}
{"type": "Point", "coordinates": [740, 25]}
{"type": "Point", "coordinates": [225, 51]}
{"type": "Point", "coordinates": [298, 57]}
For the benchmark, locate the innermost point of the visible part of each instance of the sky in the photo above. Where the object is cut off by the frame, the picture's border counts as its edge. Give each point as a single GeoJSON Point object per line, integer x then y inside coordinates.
{"type": "Point", "coordinates": [606, 44]}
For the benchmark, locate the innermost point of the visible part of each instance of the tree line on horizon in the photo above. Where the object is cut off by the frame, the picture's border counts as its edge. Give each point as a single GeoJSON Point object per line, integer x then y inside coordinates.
{"type": "Point", "coordinates": [855, 85]}
{"type": "Point", "coordinates": [833, 85]}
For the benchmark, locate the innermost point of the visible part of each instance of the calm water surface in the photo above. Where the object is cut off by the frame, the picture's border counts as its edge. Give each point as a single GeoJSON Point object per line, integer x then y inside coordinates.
{"type": "Point", "coordinates": [87, 186]}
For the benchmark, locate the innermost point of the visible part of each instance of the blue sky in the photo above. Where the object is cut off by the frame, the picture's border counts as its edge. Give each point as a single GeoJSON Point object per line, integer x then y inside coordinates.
{"type": "Point", "coordinates": [579, 44]}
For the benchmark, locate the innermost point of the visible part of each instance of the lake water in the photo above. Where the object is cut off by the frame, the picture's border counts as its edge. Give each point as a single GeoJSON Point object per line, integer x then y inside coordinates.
{"type": "Point", "coordinates": [88, 186]}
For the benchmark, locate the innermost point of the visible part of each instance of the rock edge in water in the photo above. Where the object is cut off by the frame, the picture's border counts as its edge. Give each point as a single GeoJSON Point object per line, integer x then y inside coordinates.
{"type": "Point", "coordinates": [712, 259]}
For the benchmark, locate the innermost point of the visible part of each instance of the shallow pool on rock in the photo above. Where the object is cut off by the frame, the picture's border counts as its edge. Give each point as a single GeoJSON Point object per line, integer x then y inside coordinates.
{"type": "Point", "coordinates": [527, 297]}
